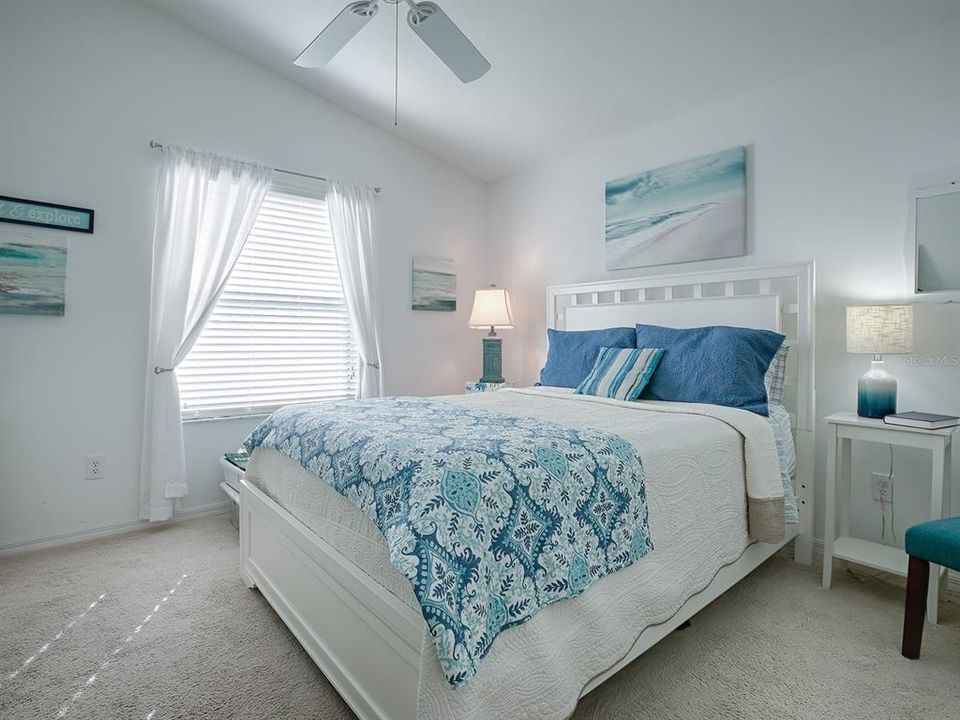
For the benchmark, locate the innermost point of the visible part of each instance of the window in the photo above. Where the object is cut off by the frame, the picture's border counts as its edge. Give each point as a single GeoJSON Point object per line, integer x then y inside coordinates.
{"type": "Point", "coordinates": [280, 332]}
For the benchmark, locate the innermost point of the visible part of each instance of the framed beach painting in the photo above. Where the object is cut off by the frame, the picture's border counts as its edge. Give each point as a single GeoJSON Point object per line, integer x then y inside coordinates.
{"type": "Point", "coordinates": [691, 210]}
{"type": "Point", "coordinates": [32, 279]}
{"type": "Point", "coordinates": [434, 284]}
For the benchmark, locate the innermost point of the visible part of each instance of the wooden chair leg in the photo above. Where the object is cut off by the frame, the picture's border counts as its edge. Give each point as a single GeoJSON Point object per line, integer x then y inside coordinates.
{"type": "Point", "coordinates": [918, 575]}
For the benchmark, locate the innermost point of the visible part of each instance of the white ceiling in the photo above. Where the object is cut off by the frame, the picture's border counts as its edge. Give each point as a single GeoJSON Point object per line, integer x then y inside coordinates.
{"type": "Point", "coordinates": [562, 69]}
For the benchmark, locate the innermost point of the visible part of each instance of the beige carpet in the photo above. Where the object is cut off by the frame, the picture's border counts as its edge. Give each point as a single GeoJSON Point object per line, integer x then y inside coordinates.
{"type": "Point", "coordinates": [776, 646]}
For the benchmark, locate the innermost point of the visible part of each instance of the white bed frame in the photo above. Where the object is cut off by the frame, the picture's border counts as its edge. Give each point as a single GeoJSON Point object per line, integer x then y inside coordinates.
{"type": "Point", "coordinates": [368, 643]}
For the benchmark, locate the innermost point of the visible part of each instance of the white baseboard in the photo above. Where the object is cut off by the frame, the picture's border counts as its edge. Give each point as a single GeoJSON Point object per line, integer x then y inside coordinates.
{"type": "Point", "coordinates": [39, 543]}
{"type": "Point", "coordinates": [953, 578]}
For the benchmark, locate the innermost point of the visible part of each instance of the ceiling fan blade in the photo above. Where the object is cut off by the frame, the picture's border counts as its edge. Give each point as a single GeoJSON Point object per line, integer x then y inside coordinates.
{"type": "Point", "coordinates": [442, 36]}
{"type": "Point", "coordinates": [338, 33]}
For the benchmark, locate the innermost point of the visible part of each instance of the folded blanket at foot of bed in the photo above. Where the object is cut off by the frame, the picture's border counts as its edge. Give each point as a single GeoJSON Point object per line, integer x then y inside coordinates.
{"type": "Point", "coordinates": [490, 516]}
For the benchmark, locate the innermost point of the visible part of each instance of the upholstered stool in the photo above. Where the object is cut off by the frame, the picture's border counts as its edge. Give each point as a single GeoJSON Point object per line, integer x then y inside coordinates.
{"type": "Point", "coordinates": [938, 542]}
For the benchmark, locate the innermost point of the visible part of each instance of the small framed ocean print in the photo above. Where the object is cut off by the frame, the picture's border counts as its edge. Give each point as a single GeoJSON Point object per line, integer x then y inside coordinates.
{"type": "Point", "coordinates": [32, 279]}
{"type": "Point", "coordinates": [687, 211]}
{"type": "Point", "coordinates": [434, 284]}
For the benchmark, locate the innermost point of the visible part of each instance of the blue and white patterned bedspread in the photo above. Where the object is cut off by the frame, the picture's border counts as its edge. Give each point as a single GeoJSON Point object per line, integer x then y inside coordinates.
{"type": "Point", "coordinates": [490, 516]}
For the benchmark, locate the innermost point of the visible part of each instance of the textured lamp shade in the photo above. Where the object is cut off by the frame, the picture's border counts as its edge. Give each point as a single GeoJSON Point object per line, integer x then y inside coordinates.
{"type": "Point", "coordinates": [491, 308]}
{"type": "Point", "coordinates": [877, 330]}
{"type": "Point", "coordinates": [880, 329]}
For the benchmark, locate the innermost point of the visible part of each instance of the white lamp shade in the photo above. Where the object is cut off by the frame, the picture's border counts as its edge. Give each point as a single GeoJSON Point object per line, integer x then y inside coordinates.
{"type": "Point", "coordinates": [880, 329]}
{"type": "Point", "coordinates": [491, 308]}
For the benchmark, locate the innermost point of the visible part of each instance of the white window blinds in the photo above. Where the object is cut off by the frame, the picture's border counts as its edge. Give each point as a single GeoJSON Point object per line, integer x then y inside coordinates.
{"type": "Point", "coordinates": [280, 332]}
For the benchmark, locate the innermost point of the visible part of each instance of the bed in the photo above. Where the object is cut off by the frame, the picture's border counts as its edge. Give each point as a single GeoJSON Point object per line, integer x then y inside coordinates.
{"type": "Point", "coordinates": [323, 567]}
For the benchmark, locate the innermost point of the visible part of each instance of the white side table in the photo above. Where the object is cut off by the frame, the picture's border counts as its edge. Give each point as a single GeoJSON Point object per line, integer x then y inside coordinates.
{"type": "Point", "coordinates": [477, 386]}
{"type": "Point", "coordinates": [846, 427]}
{"type": "Point", "coordinates": [232, 475]}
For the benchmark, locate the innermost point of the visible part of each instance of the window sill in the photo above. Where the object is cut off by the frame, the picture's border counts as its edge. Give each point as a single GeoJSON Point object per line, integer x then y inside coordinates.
{"type": "Point", "coordinates": [219, 418]}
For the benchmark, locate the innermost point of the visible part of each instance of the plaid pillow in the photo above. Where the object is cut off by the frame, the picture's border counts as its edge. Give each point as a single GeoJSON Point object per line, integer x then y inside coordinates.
{"type": "Point", "coordinates": [774, 377]}
{"type": "Point", "coordinates": [620, 373]}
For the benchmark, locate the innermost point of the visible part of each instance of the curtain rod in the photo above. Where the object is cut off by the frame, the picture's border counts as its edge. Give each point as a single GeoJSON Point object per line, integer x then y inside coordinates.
{"type": "Point", "coordinates": [159, 146]}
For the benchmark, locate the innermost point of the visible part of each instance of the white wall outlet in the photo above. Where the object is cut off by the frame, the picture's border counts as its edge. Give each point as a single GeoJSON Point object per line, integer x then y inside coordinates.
{"type": "Point", "coordinates": [882, 486]}
{"type": "Point", "coordinates": [94, 467]}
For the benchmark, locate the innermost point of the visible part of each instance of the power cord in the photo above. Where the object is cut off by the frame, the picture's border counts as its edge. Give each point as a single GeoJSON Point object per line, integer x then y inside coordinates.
{"type": "Point", "coordinates": [883, 505]}
{"type": "Point", "coordinates": [893, 529]}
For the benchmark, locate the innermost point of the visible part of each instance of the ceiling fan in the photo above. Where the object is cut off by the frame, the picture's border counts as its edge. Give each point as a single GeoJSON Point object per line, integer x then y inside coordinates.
{"type": "Point", "coordinates": [425, 18]}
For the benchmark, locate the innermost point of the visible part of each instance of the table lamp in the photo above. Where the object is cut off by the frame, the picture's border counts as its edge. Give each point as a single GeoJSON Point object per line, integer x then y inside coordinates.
{"type": "Point", "coordinates": [491, 309]}
{"type": "Point", "coordinates": [878, 330]}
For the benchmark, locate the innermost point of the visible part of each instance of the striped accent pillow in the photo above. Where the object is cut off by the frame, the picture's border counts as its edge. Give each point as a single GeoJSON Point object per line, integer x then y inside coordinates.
{"type": "Point", "coordinates": [776, 375]}
{"type": "Point", "coordinates": [620, 373]}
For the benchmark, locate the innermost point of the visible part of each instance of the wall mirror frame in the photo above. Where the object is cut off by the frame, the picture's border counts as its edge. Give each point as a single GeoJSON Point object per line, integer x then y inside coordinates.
{"type": "Point", "coordinates": [932, 251]}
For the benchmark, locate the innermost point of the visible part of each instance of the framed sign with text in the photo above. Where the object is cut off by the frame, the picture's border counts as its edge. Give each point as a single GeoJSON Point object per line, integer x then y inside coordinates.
{"type": "Point", "coordinates": [48, 215]}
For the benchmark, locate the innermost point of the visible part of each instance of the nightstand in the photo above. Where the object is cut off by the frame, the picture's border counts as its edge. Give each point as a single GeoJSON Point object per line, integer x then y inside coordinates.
{"type": "Point", "coordinates": [846, 427]}
{"type": "Point", "coordinates": [476, 386]}
{"type": "Point", "coordinates": [232, 475]}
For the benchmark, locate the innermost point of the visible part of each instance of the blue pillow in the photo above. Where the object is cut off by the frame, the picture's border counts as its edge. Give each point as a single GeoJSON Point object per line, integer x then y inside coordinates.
{"type": "Point", "coordinates": [717, 365]}
{"type": "Point", "coordinates": [571, 353]}
{"type": "Point", "coordinates": [620, 373]}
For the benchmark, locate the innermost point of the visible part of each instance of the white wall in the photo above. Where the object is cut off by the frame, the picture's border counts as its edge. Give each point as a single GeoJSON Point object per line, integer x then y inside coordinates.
{"type": "Point", "coordinates": [84, 87]}
{"type": "Point", "coordinates": [833, 154]}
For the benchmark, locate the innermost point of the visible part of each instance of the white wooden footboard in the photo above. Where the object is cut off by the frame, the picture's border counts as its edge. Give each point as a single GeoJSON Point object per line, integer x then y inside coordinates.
{"type": "Point", "coordinates": [365, 641]}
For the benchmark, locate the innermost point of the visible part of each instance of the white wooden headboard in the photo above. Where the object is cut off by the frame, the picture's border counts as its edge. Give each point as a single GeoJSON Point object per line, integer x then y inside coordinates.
{"type": "Point", "coordinates": [779, 298]}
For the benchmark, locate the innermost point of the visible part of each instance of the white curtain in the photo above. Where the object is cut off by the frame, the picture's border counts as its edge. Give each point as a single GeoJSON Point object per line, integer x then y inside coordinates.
{"type": "Point", "coordinates": [351, 222]}
{"type": "Point", "coordinates": [206, 206]}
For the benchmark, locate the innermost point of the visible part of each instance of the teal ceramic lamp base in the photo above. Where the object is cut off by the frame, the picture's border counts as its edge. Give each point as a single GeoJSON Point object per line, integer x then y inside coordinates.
{"type": "Point", "coordinates": [491, 309]}
{"type": "Point", "coordinates": [492, 359]}
{"type": "Point", "coordinates": [876, 392]}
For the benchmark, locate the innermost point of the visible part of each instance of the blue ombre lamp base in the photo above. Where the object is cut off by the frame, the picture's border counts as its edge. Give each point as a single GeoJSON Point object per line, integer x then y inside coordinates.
{"type": "Point", "coordinates": [876, 392]}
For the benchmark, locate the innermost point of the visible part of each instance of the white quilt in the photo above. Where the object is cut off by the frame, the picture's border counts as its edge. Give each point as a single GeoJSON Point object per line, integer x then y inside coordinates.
{"type": "Point", "coordinates": [697, 466]}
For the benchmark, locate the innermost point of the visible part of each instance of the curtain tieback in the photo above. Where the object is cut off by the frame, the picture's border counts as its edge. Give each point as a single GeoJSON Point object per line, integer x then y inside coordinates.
{"type": "Point", "coordinates": [157, 370]}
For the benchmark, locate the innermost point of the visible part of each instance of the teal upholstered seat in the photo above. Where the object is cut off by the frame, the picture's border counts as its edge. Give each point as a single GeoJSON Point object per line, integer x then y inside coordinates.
{"type": "Point", "coordinates": [937, 541]}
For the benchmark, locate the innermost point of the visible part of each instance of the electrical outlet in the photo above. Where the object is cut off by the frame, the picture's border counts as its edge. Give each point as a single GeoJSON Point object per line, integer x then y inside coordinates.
{"type": "Point", "coordinates": [882, 487]}
{"type": "Point", "coordinates": [94, 467]}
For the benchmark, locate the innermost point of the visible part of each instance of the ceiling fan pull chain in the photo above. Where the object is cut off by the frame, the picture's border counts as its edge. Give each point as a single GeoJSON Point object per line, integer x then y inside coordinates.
{"type": "Point", "coordinates": [396, 66]}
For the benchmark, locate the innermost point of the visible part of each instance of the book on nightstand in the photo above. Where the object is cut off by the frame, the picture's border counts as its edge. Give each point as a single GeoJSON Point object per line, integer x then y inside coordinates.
{"type": "Point", "coordinates": [925, 421]}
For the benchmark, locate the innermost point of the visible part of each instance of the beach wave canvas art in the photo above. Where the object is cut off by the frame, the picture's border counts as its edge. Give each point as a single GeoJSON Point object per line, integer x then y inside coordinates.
{"type": "Point", "coordinates": [691, 210]}
{"type": "Point", "coordinates": [32, 279]}
{"type": "Point", "coordinates": [434, 284]}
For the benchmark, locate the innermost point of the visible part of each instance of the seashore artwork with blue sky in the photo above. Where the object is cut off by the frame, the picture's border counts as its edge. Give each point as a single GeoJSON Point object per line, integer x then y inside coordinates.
{"type": "Point", "coordinates": [688, 211]}
{"type": "Point", "coordinates": [32, 279]}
